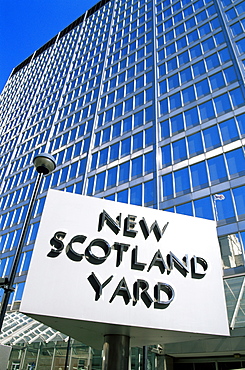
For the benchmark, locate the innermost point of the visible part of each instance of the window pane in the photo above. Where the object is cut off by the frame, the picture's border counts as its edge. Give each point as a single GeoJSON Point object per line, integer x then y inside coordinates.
{"type": "Point", "coordinates": [206, 110]}
{"type": "Point", "coordinates": [112, 177]}
{"type": "Point", "coordinates": [167, 186]}
{"type": "Point", "coordinates": [224, 208]}
{"type": "Point", "coordinates": [136, 195]}
{"type": "Point", "coordinates": [149, 162]}
{"type": "Point", "coordinates": [148, 192]}
{"type": "Point", "coordinates": [124, 172]}
{"type": "Point", "coordinates": [122, 196]}
{"type": "Point", "coordinates": [177, 123]}
{"type": "Point", "coordinates": [199, 176]}
{"type": "Point", "coordinates": [229, 131]}
{"type": "Point", "coordinates": [137, 167]}
{"type": "Point", "coordinates": [100, 182]}
{"type": "Point", "coordinates": [182, 181]}
{"type": "Point", "coordinates": [203, 208]}
{"type": "Point", "coordinates": [191, 117]}
{"type": "Point", "coordinates": [239, 195]}
{"type": "Point", "coordinates": [185, 209]}
{"type": "Point", "coordinates": [114, 152]}
{"type": "Point", "coordinates": [195, 145]}
{"type": "Point", "coordinates": [166, 155]}
{"type": "Point", "coordinates": [217, 169]}
{"type": "Point", "coordinates": [211, 138]}
{"type": "Point", "coordinates": [125, 146]}
{"type": "Point", "coordinates": [179, 150]}
{"type": "Point", "coordinates": [236, 162]}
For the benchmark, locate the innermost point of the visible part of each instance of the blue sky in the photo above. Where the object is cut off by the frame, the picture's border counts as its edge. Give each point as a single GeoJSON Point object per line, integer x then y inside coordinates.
{"type": "Point", "coordinates": [25, 25]}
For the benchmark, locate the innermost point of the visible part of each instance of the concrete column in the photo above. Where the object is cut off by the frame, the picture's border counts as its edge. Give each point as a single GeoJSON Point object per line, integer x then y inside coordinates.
{"type": "Point", "coordinates": [116, 352]}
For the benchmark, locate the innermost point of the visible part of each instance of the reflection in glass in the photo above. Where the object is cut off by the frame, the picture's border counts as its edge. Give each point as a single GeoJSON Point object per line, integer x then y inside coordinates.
{"type": "Point", "coordinates": [231, 251]}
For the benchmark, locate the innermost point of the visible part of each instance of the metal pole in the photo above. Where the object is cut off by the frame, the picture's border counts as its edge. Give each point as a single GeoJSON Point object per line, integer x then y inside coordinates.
{"type": "Point", "coordinates": [145, 352]}
{"type": "Point", "coordinates": [116, 352]}
{"type": "Point", "coordinates": [8, 286]}
{"type": "Point", "coordinates": [67, 353]}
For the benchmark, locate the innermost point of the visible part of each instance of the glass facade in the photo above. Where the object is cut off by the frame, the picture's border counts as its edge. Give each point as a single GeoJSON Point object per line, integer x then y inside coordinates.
{"type": "Point", "coordinates": [141, 102]}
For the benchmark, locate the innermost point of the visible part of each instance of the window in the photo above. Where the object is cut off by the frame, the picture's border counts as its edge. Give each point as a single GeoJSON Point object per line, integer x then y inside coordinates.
{"type": "Point", "coordinates": [206, 110]}
{"type": "Point", "coordinates": [199, 176]}
{"type": "Point", "coordinates": [195, 145]}
{"type": "Point", "coordinates": [148, 192]}
{"type": "Point", "coordinates": [103, 157]}
{"type": "Point", "coordinates": [182, 181]}
{"type": "Point", "coordinates": [136, 195]}
{"type": "Point", "coordinates": [222, 104]}
{"type": "Point", "coordinates": [127, 124]}
{"type": "Point", "coordinates": [183, 58]}
{"type": "Point", "coordinates": [73, 170]}
{"type": "Point", "coordinates": [229, 131]}
{"type": "Point", "coordinates": [202, 88]}
{"type": "Point", "coordinates": [185, 75]}
{"type": "Point", "coordinates": [124, 172]}
{"type": "Point", "coordinates": [106, 135]}
{"type": "Point", "coordinates": [114, 152]}
{"type": "Point", "coordinates": [185, 209]}
{"type": "Point", "coordinates": [191, 117]}
{"type": "Point", "coordinates": [175, 101]}
{"type": "Point", "coordinates": [137, 167]}
{"type": "Point", "coordinates": [116, 129]}
{"type": "Point", "coordinates": [112, 177]}
{"type": "Point", "coordinates": [237, 97]}
{"type": "Point", "coordinates": [225, 208]}
{"type": "Point", "coordinates": [217, 170]}
{"type": "Point", "coordinates": [138, 141]}
{"type": "Point", "coordinates": [236, 162]}
{"type": "Point", "coordinates": [94, 161]}
{"type": "Point", "coordinates": [199, 68]}
{"type": "Point", "coordinates": [166, 156]}
{"type": "Point", "coordinates": [165, 129]}
{"type": "Point", "coordinates": [188, 95]}
{"type": "Point", "coordinates": [239, 195]}
{"type": "Point", "coordinates": [217, 81]}
{"type": "Point", "coordinates": [203, 208]}
{"type": "Point", "coordinates": [125, 146]}
{"type": "Point", "coordinates": [241, 123]}
{"type": "Point", "coordinates": [179, 150]}
{"type": "Point", "coordinates": [100, 182]}
{"type": "Point", "coordinates": [211, 137]}
{"type": "Point", "coordinates": [122, 196]}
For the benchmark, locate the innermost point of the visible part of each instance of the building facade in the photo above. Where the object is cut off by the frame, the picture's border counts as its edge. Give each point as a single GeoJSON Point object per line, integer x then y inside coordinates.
{"type": "Point", "coordinates": [141, 102]}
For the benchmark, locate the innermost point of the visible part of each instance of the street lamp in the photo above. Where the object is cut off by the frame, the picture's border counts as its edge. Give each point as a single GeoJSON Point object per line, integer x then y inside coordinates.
{"type": "Point", "coordinates": [44, 164]}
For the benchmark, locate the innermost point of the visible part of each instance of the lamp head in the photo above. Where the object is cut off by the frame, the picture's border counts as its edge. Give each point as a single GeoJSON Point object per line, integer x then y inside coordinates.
{"type": "Point", "coordinates": [44, 163]}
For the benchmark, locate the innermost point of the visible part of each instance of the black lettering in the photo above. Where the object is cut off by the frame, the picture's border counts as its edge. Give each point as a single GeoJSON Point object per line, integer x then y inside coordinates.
{"type": "Point", "coordinates": [57, 243]}
{"type": "Point", "coordinates": [155, 227]}
{"type": "Point", "coordinates": [146, 298]}
{"type": "Point", "coordinates": [115, 226]}
{"type": "Point", "coordinates": [91, 257]}
{"type": "Point", "coordinates": [194, 266]}
{"type": "Point", "coordinates": [120, 248]}
{"type": "Point", "coordinates": [168, 290]}
{"type": "Point", "coordinates": [74, 256]}
{"type": "Point", "coordinates": [158, 260]}
{"type": "Point", "coordinates": [182, 267]}
{"type": "Point", "coordinates": [129, 225]}
{"type": "Point", "coordinates": [97, 286]}
{"type": "Point", "coordinates": [122, 290]}
{"type": "Point", "coordinates": [135, 265]}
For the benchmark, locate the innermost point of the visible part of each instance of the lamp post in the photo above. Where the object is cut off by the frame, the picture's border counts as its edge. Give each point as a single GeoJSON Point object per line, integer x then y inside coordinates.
{"type": "Point", "coordinates": [44, 164]}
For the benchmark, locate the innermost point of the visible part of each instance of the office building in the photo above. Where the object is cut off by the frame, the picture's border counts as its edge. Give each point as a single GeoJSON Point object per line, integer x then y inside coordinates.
{"type": "Point", "coordinates": [141, 102]}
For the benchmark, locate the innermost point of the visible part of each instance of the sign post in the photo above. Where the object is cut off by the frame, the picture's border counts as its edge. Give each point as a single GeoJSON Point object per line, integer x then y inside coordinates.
{"type": "Point", "coordinates": [107, 272]}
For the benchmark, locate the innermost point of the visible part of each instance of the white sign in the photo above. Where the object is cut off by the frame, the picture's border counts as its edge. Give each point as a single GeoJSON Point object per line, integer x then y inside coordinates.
{"type": "Point", "coordinates": [101, 267]}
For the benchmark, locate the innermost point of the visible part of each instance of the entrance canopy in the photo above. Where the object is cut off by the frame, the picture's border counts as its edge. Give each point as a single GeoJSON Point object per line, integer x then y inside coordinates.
{"type": "Point", "coordinates": [18, 329]}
